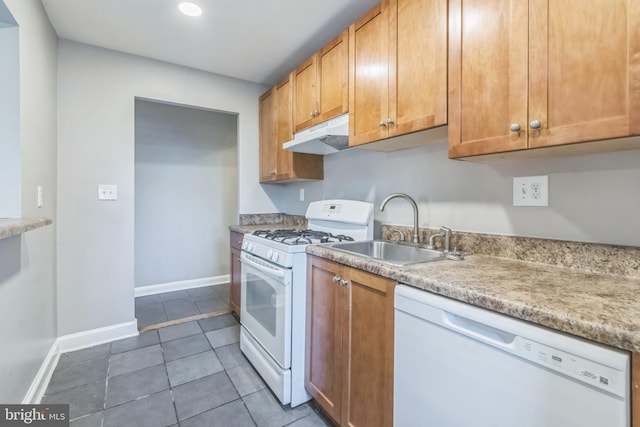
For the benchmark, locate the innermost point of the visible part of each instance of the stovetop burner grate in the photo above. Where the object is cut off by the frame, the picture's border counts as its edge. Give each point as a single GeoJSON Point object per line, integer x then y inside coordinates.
{"type": "Point", "coordinates": [301, 237]}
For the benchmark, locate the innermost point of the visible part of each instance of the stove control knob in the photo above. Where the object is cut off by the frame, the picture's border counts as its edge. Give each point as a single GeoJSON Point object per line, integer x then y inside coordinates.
{"type": "Point", "coordinates": [276, 257]}
{"type": "Point", "coordinates": [244, 245]}
{"type": "Point", "coordinates": [269, 253]}
{"type": "Point", "coordinates": [250, 247]}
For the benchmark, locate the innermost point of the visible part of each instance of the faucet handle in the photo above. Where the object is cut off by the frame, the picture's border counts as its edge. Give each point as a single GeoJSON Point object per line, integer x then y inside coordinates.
{"type": "Point", "coordinates": [400, 234]}
{"type": "Point", "coordinates": [447, 238]}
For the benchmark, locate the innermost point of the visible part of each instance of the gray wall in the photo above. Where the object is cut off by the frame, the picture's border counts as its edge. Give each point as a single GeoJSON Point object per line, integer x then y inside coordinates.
{"type": "Point", "coordinates": [10, 164]}
{"type": "Point", "coordinates": [96, 131]}
{"type": "Point", "coordinates": [592, 198]}
{"type": "Point", "coordinates": [186, 192]}
{"type": "Point", "coordinates": [27, 262]}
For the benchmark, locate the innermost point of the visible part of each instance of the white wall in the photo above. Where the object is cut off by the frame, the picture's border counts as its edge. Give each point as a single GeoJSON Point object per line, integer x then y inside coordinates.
{"type": "Point", "coordinates": [593, 198]}
{"type": "Point", "coordinates": [186, 192]}
{"type": "Point", "coordinates": [10, 164]}
{"type": "Point", "coordinates": [27, 262]}
{"type": "Point", "coordinates": [97, 88]}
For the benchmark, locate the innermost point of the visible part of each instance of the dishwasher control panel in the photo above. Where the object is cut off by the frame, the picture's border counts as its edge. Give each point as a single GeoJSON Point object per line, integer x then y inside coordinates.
{"type": "Point", "coordinates": [587, 371]}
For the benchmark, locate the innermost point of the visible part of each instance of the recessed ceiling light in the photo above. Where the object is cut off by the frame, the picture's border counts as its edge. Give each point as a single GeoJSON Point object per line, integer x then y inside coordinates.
{"type": "Point", "coordinates": [190, 9]}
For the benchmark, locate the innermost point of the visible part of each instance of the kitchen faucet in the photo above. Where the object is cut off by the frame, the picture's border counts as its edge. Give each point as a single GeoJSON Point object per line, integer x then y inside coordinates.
{"type": "Point", "coordinates": [415, 211]}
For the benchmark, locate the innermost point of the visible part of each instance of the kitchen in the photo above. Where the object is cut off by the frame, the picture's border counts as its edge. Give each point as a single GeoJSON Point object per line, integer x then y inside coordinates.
{"type": "Point", "coordinates": [593, 198]}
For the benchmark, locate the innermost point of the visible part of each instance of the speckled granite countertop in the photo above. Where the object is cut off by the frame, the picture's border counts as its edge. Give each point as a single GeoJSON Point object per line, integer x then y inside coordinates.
{"type": "Point", "coordinates": [13, 226]}
{"type": "Point", "coordinates": [252, 222]}
{"type": "Point", "coordinates": [600, 307]}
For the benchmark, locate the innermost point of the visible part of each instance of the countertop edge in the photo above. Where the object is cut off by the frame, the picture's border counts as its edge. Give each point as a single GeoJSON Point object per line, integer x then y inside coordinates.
{"type": "Point", "coordinates": [10, 227]}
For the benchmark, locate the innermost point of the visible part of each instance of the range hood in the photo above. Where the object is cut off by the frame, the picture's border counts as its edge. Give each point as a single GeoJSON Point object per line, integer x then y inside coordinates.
{"type": "Point", "coordinates": [325, 138]}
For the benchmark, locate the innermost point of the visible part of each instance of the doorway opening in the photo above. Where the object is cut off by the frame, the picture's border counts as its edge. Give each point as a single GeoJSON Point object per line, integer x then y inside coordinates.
{"type": "Point", "coordinates": [186, 192]}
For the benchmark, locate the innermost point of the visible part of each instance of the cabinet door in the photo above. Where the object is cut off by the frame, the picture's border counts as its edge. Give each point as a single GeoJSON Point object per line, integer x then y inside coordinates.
{"type": "Point", "coordinates": [369, 76]}
{"type": "Point", "coordinates": [368, 355]}
{"type": "Point", "coordinates": [268, 159]}
{"type": "Point", "coordinates": [584, 60]}
{"type": "Point", "coordinates": [324, 339]}
{"type": "Point", "coordinates": [488, 54]}
{"type": "Point", "coordinates": [284, 127]}
{"type": "Point", "coordinates": [417, 65]}
{"type": "Point", "coordinates": [234, 289]}
{"type": "Point", "coordinates": [333, 78]}
{"type": "Point", "coordinates": [305, 92]}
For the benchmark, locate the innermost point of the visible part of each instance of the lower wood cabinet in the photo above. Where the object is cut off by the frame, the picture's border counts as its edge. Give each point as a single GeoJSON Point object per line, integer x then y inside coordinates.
{"type": "Point", "coordinates": [635, 389]}
{"type": "Point", "coordinates": [235, 270]}
{"type": "Point", "coordinates": [349, 348]}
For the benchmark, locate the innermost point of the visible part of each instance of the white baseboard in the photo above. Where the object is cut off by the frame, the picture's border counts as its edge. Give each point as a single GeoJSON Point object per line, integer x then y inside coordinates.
{"type": "Point", "coordinates": [41, 381]}
{"type": "Point", "coordinates": [97, 336]}
{"type": "Point", "coordinates": [74, 342]}
{"type": "Point", "coordinates": [181, 285]}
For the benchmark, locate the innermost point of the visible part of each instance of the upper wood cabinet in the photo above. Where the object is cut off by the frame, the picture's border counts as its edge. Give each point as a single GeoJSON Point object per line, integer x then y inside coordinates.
{"type": "Point", "coordinates": [268, 160]}
{"type": "Point", "coordinates": [397, 70]}
{"type": "Point", "coordinates": [546, 73]}
{"type": "Point", "coordinates": [276, 128]}
{"type": "Point", "coordinates": [349, 368]}
{"type": "Point", "coordinates": [284, 126]}
{"type": "Point", "coordinates": [321, 84]}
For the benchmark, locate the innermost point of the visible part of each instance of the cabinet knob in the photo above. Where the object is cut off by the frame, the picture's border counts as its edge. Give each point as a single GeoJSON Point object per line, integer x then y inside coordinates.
{"type": "Point", "coordinates": [335, 279]}
{"type": "Point", "coordinates": [312, 114]}
{"type": "Point", "coordinates": [514, 127]}
{"type": "Point", "coordinates": [535, 124]}
{"type": "Point", "coordinates": [390, 121]}
{"type": "Point", "coordinates": [344, 282]}
{"type": "Point", "coordinates": [382, 124]}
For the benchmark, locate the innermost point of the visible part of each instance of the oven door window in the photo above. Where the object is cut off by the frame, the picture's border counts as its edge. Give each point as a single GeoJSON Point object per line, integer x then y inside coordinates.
{"type": "Point", "coordinates": [263, 302]}
{"type": "Point", "coordinates": [265, 309]}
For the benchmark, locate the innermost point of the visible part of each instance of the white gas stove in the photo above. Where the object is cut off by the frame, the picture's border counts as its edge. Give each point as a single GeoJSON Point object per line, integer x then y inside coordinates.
{"type": "Point", "coordinates": [273, 289]}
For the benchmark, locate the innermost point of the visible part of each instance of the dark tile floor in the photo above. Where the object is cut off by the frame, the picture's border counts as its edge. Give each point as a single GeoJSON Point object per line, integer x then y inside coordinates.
{"type": "Point", "coordinates": [154, 309]}
{"type": "Point", "coordinates": [191, 374]}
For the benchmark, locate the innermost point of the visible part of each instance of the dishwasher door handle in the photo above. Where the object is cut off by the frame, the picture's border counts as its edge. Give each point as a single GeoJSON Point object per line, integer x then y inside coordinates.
{"type": "Point", "coordinates": [481, 332]}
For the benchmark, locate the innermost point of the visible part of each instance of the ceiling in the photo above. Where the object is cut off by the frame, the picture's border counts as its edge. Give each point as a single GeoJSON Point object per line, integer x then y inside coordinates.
{"type": "Point", "coordinates": [255, 40]}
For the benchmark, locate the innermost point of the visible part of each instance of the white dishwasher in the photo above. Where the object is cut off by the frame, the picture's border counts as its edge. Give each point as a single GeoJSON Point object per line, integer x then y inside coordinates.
{"type": "Point", "coordinates": [457, 365]}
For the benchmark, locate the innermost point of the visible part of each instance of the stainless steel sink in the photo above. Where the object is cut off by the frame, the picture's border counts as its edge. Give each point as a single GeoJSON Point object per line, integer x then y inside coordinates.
{"type": "Point", "coordinates": [390, 252]}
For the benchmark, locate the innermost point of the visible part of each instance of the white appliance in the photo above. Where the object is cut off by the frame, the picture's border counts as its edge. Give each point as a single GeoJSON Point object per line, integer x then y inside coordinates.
{"type": "Point", "coordinates": [457, 365]}
{"type": "Point", "coordinates": [273, 289]}
{"type": "Point", "coordinates": [324, 138]}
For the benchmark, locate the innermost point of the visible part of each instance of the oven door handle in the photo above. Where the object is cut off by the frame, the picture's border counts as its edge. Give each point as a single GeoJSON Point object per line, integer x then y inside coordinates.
{"type": "Point", "coordinates": [249, 260]}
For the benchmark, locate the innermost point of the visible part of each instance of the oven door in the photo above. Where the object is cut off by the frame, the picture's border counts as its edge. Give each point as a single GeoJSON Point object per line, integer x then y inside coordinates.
{"type": "Point", "coordinates": [265, 307]}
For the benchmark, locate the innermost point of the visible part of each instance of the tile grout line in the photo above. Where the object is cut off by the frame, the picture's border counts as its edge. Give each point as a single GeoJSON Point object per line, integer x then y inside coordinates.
{"type": "Point", "coordinates": [173, 400]}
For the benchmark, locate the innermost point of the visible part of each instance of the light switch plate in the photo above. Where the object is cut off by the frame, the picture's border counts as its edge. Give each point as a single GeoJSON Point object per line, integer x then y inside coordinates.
{"type": "Point", "coordinates": [107, 192]}
{"type": "Point", "coordinates": [531, 191]}
{"type": "Point", "coordinates": [40, 197]}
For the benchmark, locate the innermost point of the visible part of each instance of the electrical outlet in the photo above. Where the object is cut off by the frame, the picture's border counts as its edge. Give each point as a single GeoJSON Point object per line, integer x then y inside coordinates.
{"type": "Point", "coordinates": [302, 194]}
{"type": "Point", "coordinates": [107, 192]}
{"type": "Point", "coordinates": [531, 191]}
